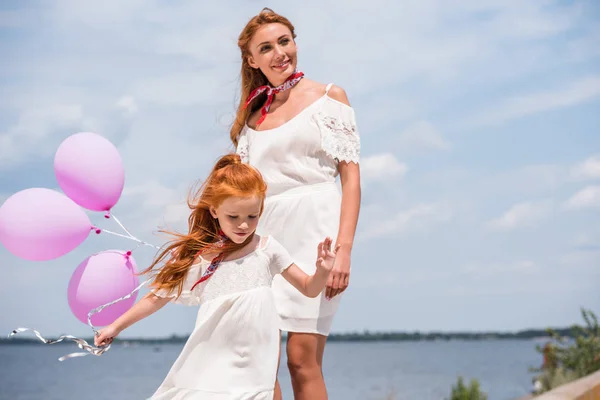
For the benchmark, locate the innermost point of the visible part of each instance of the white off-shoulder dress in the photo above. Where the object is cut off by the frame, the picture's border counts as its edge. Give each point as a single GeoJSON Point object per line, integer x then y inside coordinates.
{"type": "Point", "coordinates": [299, 161]}
{"type": "Point", "coordinates": [233, 351]}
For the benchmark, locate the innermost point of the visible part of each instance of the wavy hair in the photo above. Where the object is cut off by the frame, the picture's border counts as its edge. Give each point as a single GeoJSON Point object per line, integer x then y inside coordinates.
{"type": "Point", "coordinates": [229, 178]}
{"type": "Point", "coordinates": [253, 77]}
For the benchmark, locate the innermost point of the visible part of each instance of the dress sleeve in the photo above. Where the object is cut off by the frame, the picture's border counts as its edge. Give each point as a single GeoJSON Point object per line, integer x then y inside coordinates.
{"type": "Point", "coordinates": [339, 135]}
{"type": "Point", "coordinates": [187, 297]}
{"type": "Point", "coordinates": [279, 258]}
{"type": "Point", "coordinates": [242, 147]}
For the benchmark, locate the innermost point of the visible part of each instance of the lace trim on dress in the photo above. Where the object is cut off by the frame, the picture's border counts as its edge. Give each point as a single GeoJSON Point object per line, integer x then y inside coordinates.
{"type": "Point", "coordinates": [242, 148]}
{"type": "Point", "coordinates": [339, 139]}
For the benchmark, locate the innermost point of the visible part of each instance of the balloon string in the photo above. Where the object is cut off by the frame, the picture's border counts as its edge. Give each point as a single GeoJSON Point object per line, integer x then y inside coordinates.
{"type": "Point", "coordinates": [103, 306]}
{"type": "Point", "coordinates": [81, 343]}
{"type": "Point", "coordinates": [141, 242]}
{"type": "Point", "coordinates": [121, 225]}
{"type": "Point", "coordinates": [129, 235]}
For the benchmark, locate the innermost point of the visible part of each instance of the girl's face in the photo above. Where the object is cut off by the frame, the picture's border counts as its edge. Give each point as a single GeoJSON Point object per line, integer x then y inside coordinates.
{"type": "Point", "coordinates": [238, 216]}
{"type": "Point", "coordinates": [273, 50]}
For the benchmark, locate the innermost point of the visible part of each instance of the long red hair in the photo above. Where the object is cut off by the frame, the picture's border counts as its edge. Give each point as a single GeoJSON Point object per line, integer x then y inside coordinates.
{"type": "Point", "coordinates": [229, 177]}
{"type": "Point", "coordinates": [251, 77]}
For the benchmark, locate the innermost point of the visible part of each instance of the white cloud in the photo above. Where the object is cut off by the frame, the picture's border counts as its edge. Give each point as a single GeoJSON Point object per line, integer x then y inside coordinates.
{"type": "Point", "coordinates": [151, 194]}
{"type": "Point", "coordinates": [521, 215]}
{"type": "Point", "coordinates": [576, 92]}
{"type": "Point", "coordinates": [585, 261]}
{"type": "Point", "coordinates": [421, 135]}
{"type": "Point", "coordinates": [536, 178]}
{"type": "Point", "coordinates": [588, 197]}
{"type": "Point", "coordinates": [205, 87]}
{"type": "Point", "coordinates": [419, 217]}
{"type": "Point", "coordinates": [588, 169]}
{"type": "Point", "coordinates": [380, 167]}
{"type": "Point", "coordinates": [150, 204]}
{"type": "Point", "coordinates": [41, 128]}
{"type": "Point", "coordinates": [589, 241]}
{"type": "Point", "coordinates": [525, 266]}
{"type": "Point", "coordinates": [34, 127]}
{"type": "Point", "coordinates": [128, 104]}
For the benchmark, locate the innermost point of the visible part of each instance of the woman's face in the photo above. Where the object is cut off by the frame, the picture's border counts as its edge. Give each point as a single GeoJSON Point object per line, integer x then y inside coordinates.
{"type": "Point", "coordinates": [273, 50]}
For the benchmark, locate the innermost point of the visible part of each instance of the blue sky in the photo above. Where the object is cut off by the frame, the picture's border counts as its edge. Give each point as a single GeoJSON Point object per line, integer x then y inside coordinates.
{"type": "Point", "coordinates": [480, 145]}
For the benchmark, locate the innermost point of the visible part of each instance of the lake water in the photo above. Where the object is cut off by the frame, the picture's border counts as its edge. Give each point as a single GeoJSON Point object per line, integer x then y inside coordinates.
{"type": "Point", "coordinates": [360, 370]}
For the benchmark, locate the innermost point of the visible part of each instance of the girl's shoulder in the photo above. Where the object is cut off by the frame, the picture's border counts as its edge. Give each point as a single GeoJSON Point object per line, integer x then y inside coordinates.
{"type": "Point", "coordinates": [265, 242]}
{"type": "Point", "coordinates": [269, 245]}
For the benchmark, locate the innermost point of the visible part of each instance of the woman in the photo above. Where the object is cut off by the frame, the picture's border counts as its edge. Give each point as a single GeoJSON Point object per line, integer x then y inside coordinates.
{"type": "Point", "coordinates": [300, 135]}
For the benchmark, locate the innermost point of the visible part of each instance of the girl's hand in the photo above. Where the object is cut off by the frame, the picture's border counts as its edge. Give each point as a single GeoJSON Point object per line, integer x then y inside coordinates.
{"type": "Point", "coordinates": [340, 275]}
{"type": "Point", "coordinates": [326, 256]}
{"type": "Point", "coordinates": [105, 336]}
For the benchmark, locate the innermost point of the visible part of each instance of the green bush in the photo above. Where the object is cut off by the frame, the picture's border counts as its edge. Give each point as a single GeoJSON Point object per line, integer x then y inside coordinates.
{"type": "Point", "coordinates": [566, 362]}
{"type": "Point", "coordinates": [462, 392]}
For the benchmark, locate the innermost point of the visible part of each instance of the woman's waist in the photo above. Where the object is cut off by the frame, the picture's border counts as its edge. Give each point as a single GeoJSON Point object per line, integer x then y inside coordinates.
{"type": "Point", "coordinates": [300, 189]}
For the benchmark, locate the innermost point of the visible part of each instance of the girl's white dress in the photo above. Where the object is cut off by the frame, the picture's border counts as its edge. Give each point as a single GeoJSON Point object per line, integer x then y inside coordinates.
{"type": "Point", "coordinates": [299, 162]}
{"type": "Point", "coordinates": [233, 351]}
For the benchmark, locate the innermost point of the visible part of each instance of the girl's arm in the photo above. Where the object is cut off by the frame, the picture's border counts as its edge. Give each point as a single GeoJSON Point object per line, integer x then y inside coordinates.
{"type": "Point", "coordinates": [312, 285]}
{"type": "Point", "coordinates": [308, 285]}
{"type": "Point", "coordinates": [148, 305]}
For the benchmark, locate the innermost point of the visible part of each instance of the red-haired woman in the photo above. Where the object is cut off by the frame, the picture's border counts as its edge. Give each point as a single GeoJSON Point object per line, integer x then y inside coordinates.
{"type": "Point", "coordinates": [300, 134]}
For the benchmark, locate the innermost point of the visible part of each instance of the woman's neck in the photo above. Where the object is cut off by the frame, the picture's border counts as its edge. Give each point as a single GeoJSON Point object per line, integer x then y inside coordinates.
{"type": "Point", "coordinates": [282, 97]}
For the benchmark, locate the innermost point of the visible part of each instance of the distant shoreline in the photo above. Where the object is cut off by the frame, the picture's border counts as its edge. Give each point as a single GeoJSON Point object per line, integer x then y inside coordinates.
{"type": "Point", "coordinates": [343, 337]}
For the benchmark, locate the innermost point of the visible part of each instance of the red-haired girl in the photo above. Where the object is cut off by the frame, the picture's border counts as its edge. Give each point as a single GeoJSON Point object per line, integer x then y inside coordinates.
{"type": "Point", "coordinates": [224, 266]}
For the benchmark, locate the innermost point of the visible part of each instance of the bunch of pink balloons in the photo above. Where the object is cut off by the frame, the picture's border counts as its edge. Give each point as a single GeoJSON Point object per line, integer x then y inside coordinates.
{"type": "Point", "coordinates": [41, 224]}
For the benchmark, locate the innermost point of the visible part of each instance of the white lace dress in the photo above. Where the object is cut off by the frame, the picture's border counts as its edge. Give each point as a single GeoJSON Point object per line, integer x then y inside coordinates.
{"type": "Point", "coordinates": [233, 351]}
{"type": "Point", "coordinates": [299, 162]}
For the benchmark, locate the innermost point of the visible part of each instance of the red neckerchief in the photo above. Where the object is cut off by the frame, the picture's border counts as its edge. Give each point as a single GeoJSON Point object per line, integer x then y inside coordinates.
{"type": "Point", "coordinates": [289, 83]}
{"type": "Point", "coordinates": [216, 261]}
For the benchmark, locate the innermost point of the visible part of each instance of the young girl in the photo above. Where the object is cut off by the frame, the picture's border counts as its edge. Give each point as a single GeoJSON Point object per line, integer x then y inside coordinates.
{"type": "Point", "coordinates": [222, 265]}
{"type": "Point", "coordinates": [300, 134]}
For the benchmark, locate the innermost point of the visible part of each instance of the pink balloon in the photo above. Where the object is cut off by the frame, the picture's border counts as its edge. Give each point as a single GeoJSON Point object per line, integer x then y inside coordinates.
{"type": "Point", "coordinates": [41, 224]}
{"type": "Point", "coordinates": [89, 169]}
{"type": "Point", "coordinates": [100, 279]}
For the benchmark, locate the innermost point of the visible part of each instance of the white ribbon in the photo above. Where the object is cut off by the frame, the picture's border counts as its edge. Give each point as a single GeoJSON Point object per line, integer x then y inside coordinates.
{"type": "Point", "coordinates": [81, 343]}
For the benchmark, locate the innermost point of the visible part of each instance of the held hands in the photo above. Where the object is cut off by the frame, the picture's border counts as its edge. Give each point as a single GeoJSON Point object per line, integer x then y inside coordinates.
{"type": "Point", "coordinates": [326, 256]}
{"type": "Point", "coordinates": [105, 336]}
{"type": "Point", "coordinates": [339, 277]}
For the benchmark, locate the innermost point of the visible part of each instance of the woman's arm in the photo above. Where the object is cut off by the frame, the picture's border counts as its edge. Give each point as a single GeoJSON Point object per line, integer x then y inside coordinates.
{"type": "Point", "coordinates": [351, 195]}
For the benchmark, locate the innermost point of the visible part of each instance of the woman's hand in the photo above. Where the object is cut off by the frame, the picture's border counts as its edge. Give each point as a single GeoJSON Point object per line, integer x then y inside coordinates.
{"type": "Point", "coordinates": [340, 275]}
